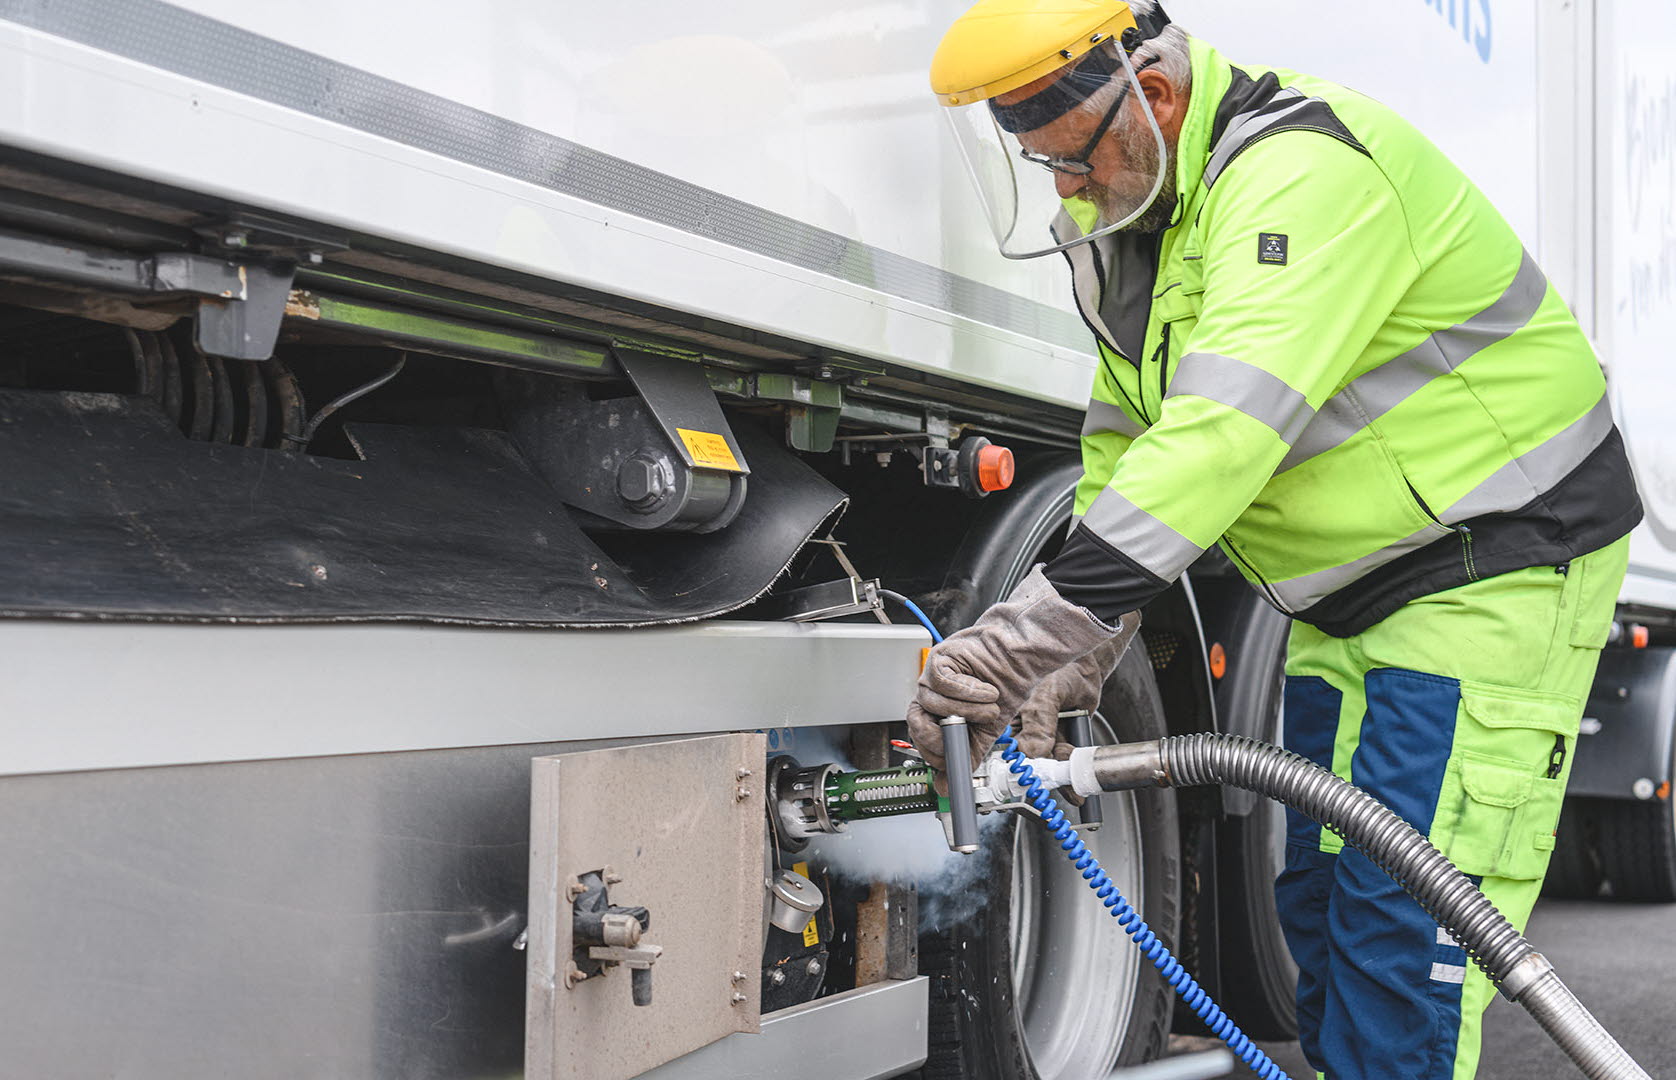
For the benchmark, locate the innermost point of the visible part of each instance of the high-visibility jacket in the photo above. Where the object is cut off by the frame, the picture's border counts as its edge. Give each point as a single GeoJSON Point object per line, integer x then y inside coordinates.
{"type": "Point", "coordinates": [1338, 362]}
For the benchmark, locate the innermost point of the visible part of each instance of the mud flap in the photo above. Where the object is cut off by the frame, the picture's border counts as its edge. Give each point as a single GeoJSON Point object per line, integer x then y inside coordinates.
{"type": "Point", "coordinates": [107, 512]}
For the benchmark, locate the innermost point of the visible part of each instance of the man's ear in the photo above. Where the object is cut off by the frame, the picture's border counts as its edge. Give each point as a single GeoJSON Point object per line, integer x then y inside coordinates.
{"type": "Point", "coordinates": [1163, 98]}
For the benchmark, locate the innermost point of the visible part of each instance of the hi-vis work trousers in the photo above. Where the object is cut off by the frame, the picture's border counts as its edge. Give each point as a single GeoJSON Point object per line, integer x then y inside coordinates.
{"type": "Point", "coordinates": [1460, 712]}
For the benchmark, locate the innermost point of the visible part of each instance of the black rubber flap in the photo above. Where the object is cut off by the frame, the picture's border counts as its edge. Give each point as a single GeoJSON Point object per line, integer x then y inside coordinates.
{"type": "Point", "coordinates": [107, 512]}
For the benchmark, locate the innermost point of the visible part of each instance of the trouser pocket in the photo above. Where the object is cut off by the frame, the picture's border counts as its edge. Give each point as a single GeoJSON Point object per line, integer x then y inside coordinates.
{"type": "Point", "coordinates": [1505, 781]}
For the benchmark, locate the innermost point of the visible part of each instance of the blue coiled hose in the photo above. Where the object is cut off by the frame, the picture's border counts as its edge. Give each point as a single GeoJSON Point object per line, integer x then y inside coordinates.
{"type": "Point", "coordinates": [1133, 925]}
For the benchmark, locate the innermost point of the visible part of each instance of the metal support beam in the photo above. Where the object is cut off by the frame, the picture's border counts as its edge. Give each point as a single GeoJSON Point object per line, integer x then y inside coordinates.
{"type": "Point", "coordinates": [240, 302]}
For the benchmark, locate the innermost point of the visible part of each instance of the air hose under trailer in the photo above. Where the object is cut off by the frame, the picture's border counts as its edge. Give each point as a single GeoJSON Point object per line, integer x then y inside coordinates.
{"type": "Point", "coordinates": [1391, 843]}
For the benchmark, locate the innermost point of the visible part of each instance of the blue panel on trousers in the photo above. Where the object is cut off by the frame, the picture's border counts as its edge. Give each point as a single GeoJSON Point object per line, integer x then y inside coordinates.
{"type": "Point", "coordinates": [1310, 727]}
{"type": "Point", "coordinates": [1393, 1008]}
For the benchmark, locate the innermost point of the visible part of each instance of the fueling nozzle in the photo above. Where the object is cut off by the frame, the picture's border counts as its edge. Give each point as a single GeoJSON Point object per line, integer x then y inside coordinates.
{"type": "Point", "coordinates": [811, 800]}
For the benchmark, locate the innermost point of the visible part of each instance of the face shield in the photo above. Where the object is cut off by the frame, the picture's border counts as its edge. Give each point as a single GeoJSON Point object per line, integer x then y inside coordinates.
{"type": "Point", "coordinates": [1066, 159]}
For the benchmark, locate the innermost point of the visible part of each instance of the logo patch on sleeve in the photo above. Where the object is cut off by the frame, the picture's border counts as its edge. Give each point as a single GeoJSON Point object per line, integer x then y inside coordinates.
{"type": "Point", "coordinates": [1271, 248]}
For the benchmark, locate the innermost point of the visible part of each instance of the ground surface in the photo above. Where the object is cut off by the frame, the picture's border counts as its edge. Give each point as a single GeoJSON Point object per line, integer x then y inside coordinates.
{"type": "Point", "coordinates": [1620, 960]}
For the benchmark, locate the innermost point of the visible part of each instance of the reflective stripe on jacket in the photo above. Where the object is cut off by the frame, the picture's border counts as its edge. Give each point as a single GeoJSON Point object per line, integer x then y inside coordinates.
{"type": "Point", "coordinates": [1339, 363]}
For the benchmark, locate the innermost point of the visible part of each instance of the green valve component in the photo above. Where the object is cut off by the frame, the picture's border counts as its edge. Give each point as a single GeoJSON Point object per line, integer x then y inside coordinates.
{"type": "Point", "coordinates": [907, 789]}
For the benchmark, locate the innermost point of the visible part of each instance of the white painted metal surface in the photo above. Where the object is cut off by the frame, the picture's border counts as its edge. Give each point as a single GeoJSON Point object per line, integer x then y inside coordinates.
{"type": "Point", "coordinates": [1636, 143]}
{"type": "Point", "coordinates": [109, 695]}
{"type": "Point", "coordinates": [810, 118]}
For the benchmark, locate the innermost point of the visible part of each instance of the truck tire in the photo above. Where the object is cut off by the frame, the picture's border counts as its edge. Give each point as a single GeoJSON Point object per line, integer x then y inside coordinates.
{"type": "Point", "coordinates": [1259, 978]}
{"type": "Point", "coordinates": [1637, 844]}
{"type": "Point", "coordinates": [1040, 983]}
{"type": "Point", "coordinates": [1574, 871]}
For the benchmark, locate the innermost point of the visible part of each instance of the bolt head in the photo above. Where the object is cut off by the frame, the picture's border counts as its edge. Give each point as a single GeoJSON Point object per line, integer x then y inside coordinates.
{"type": "Point", "coordinates": [645, 480]}
{"type": "Point", "coordinates": [739, 999]}
{"type": "Point", "coordinates": [778, 978]}
{"type": "Point", "coordinates": [235, 239]}
{"type": "Point", "coordinates": [814, 967]}
{"type": "Point", "coordinates": [741, 794]}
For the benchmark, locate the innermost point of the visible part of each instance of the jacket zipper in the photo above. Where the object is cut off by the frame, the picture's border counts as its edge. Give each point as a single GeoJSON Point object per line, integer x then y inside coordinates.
{"type": "Point", "coordinates": [1162, 358]}
{"type": "Point", "coordinates": [1462, 532]}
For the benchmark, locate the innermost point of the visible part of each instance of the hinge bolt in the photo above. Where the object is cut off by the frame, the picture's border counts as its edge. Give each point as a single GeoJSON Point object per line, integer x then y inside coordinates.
{"type": "Point", "coordinates": [739, 999]}
{"type": "Point", "coordinates": [741, 794]}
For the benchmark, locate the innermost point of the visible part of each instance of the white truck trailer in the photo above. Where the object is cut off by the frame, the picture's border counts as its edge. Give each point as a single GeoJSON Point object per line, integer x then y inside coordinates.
{"type": "Point", "coordinates": [330, 721]}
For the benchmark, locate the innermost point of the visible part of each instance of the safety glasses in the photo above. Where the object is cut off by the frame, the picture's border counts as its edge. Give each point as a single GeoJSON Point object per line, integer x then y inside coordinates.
{"type": "Point", "coordinates": [1079, 165]}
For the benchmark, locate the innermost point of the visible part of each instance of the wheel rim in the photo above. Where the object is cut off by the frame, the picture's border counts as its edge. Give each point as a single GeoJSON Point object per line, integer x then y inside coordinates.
{"type": "Point", "coordinates": [1074, 970]}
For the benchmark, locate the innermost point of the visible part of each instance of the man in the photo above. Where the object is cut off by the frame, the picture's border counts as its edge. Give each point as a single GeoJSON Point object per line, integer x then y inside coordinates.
{"type": "Point", "coordinates": [1323, 349]}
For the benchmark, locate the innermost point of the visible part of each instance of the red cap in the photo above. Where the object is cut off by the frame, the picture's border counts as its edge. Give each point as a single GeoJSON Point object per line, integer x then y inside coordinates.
{"type": "Point", "coordinates": [995, 468]}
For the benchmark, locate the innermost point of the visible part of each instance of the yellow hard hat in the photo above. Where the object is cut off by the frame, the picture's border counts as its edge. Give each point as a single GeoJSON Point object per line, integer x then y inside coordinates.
{"type": "Point", "coordinates": [1000, 45]}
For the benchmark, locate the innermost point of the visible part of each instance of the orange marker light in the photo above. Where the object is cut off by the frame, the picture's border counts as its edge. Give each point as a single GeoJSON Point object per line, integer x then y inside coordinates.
{"type": "Point", "coordinates": [1639, 636]}
{"type": "Point", "coordinates": [995, 468]}
{"type": "Point", "coordinates": [1218, 660]}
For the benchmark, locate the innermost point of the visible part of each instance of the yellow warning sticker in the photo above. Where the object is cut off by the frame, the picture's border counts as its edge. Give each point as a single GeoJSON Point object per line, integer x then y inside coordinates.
{"type": "Point", "coordinates": [811, 936]}
{"type": "Point", "coordinates": [709, 449]}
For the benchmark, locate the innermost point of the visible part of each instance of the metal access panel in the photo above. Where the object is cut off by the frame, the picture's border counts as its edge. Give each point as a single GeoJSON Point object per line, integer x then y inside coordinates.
{"type": "Point", "coordinates": [676, 827]}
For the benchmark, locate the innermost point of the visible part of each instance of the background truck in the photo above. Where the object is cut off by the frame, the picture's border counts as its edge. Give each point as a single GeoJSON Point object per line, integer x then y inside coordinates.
{"type": "Point", "coordinates": [452, 457]}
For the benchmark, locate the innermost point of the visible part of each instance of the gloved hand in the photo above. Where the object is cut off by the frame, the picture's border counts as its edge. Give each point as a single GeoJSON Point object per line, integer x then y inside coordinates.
{"type": "Point", "coordinates": [986, 672]}
{"type": "Point", "coordinates": [1077, 685]}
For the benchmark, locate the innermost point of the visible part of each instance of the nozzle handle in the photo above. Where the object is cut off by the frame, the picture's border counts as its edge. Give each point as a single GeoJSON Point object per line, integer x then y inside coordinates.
{"type": "Point", "coordinates": [963, 804]}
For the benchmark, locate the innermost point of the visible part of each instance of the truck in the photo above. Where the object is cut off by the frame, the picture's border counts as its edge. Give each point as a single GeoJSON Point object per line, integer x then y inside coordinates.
{"type": "Point", "coordinates": [460, 462]}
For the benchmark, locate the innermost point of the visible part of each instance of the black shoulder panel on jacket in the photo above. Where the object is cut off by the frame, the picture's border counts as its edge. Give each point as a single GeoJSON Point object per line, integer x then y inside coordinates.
{"type": "Point", "coordinates": [1254, 109]}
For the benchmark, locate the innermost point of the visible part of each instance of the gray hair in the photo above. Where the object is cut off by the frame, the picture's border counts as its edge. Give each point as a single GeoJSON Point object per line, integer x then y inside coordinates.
{"type": "Point", "coordinates": [1169, 53]}
{"type": "Point", "coordinates": [1169, 48]}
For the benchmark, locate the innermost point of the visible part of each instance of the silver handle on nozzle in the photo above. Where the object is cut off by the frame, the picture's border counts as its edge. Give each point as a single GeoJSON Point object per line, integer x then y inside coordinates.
{"type": "Point", "coordinates": [1079, 727]}
{"type": "Point", "coordinates": [963, 804]}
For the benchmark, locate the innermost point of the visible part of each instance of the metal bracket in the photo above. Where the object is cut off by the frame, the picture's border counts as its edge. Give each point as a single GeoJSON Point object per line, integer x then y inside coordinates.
{"type": "Point", "coordinates": [828, 600]}
{"type": "Point", "coordinates": [240, 302]}
{"type": "Point", "coordinates": [662, 457]}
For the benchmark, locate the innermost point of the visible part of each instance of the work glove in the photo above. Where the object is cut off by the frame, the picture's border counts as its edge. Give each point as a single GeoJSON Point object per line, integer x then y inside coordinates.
{"type": "Point", "coordinates": [986, 672]}
{"type": "Point", "coordinates": [1077, 685]}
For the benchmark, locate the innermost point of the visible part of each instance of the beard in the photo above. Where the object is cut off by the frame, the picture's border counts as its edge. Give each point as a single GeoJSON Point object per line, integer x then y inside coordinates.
{"type": "Point", "coordinates": [1140, 165]}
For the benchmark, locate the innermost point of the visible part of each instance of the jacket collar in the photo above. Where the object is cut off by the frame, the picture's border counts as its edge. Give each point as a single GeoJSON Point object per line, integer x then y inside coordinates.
{"type": "Point", "coordinates": [1211, 80]}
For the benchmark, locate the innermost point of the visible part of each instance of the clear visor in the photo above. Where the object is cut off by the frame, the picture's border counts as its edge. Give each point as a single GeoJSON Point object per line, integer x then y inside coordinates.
{"type": "Point", "coordinates": [1064, 162]}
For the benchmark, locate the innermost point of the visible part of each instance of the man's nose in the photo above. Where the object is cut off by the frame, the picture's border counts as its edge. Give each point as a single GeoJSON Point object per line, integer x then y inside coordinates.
{"type": "Point", "coordinates": [1068, 184]}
